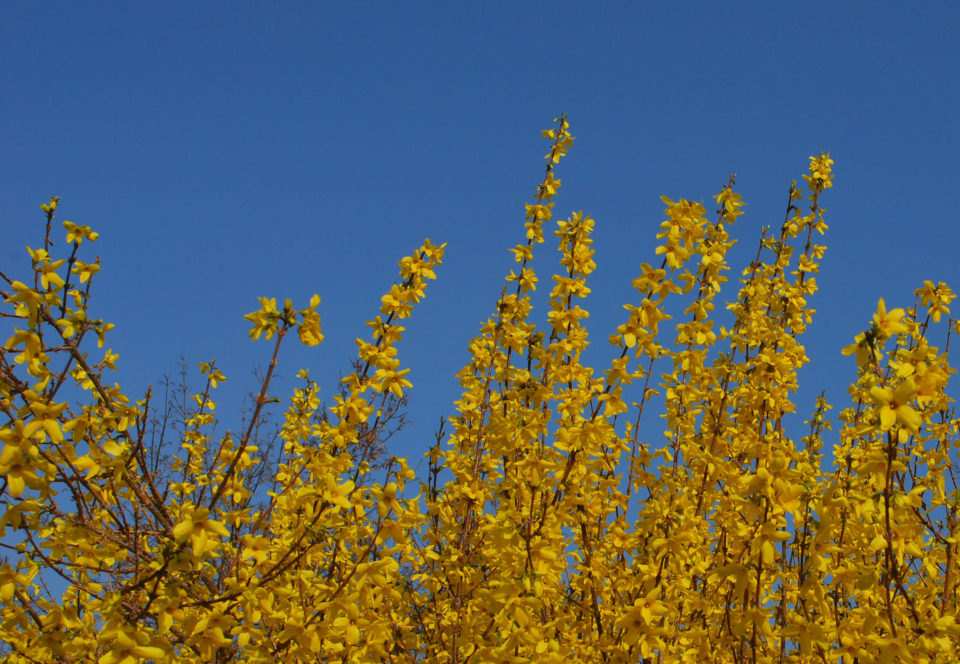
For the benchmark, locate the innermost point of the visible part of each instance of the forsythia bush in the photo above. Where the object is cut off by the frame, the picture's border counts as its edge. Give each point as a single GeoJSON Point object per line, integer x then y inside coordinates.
{"type": "Point", "coordinates": [547, 529]}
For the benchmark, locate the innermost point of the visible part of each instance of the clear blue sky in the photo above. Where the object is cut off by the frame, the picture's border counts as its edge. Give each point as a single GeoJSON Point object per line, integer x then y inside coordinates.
{"type": "Point", "coordinates": [230, 150]}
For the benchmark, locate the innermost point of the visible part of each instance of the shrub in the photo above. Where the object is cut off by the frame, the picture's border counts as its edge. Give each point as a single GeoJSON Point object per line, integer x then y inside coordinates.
{"type": "Point", "coordinates": [546, 528]}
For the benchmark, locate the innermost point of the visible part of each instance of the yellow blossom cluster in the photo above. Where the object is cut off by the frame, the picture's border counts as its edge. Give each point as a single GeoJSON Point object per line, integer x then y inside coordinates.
{"type": "Point", "coordinates": [550, 526]}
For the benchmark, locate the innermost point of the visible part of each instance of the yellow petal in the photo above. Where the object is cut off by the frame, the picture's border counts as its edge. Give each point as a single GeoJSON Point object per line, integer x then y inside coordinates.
{"type": "Point", "coordinates": [149, 652]}
{"type": "Point", "coordinates": [112, 448]}
{"type": "Point", "coordinates": [882, 395]}
{"type": "Point", "coordinates": [877, 543]}
{"type": "Point", "coordinates": [182, 530]}
{"type": "Point", "coordinates": [216, 527]}
{"type": "Point", "coordinates": [15, 484]}
{"type": "Point", "coordinates": [767, 552]}
{"type": "Point", "coordinates": [353, 634]}
{"type": "Point", "coordinates": [87, 464]}
{"type": "Point", "coordinates": [52, 427]}
{"type": "Point", "coordinates": [909, 418]}
{"type": "Point", "coordinates": [164, 622]}
{"type": "Point", "coordinates": [887, 418]}
{"type": "Point", "coordinates": [905, 392]}
{"type": "Point", "coordinates": [123, 640]}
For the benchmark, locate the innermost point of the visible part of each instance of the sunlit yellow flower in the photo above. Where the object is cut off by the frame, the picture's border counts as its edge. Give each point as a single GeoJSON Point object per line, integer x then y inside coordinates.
{"type": "Point", "coordinates": [894, 406]}
{"type": "Point", "coordinates": [637, 620]}
{"type": "Point", "coordinates": [199, 528]}
{"type": "Point", "coordinates": [887, 323]}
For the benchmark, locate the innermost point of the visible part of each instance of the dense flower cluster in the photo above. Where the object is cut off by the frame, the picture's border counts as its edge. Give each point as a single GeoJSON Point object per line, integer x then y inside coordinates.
{"type": "Point", "coordinates": [547, 528]}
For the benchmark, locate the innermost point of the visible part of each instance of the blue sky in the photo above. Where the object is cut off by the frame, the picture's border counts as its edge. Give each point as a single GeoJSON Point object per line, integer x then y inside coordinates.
{"type": "Point", "coordinates": [226, 151]}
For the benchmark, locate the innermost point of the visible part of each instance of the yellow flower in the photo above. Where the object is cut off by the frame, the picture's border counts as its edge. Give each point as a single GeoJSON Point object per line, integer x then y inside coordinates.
{"type": "Point", "coordinates": [309, 330]}
{"type": "Point", "coordinates": [10, 581]}
{"type": "Point", "coordinates": [85, 270]}
{"type": "Point", "coordinates": [937, 297]}
{"type": "Point", "coordinates": [77, 233]}
{"type": "Point", "coordinates": [894, 408]}
{"type": "Point", "coordinates": [886, 323]}
{"type": "Point", "coordinates": [127, 646]}
{"type": "Point", "coordinates": [265, 320]}
{"type": "Point", "coordinates": [349, 625]}
{"type": "Point", "coordinates": [636, 620]}
{"type": "Point", "coordinates": [821, 172]}
{"type": "Point", "coordinates": [198, 528]}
